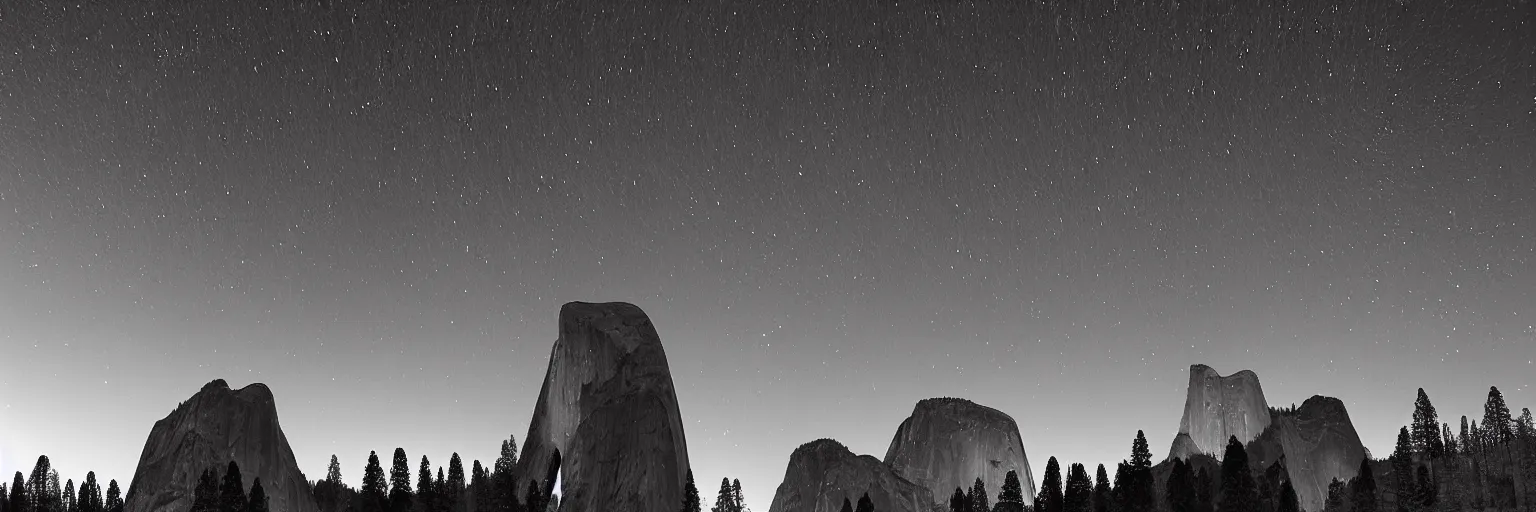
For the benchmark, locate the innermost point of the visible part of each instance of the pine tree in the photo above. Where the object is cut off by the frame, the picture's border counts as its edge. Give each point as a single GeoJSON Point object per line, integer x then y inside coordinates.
{"type": "Point", "coordinates": [1337, 496]}
{"type": "Point", "coordinates": [1140, 495]}
{"type": "Point", "coordinates": [480, 483]}
{"type": "Point", "coordinates": [400, 496]}
{"type": "Point", "coordinates": [957, 501]}
{"type": "Point", "coordinates": [1052, 496]}
{"type": "Point", "coordinates": [1238, 491]}
{"type": "Point", "coordinates": [205, 497]}
{"type": "Point", "coordinates": [1466, 440]}
{"type": "Point", "coordinates": [848, 505]}
{"type": "Point", "coordinates": [691, 501]}
{"type": "Point", "coordinates": [67, 498]}
{"type": "Point", "coordinates": [114, 501]}
{"type": "Point", "coordinates": [425, 495]}
{"type": "Point", "coordinates": [980, 502]}
{"type": "Point", "coordinates": [232, 490]}
{"type": "Point", "coordinates": [454, 493]}
{"type": "Point", "coordinates": [55, 491]}
{"type": "Point", "coordinates": [441, 502]}
{"type": "Point", "coordinates": [19, 500]}
{"type": "Point", "coordinates": [1078, 496]}
{"type": "Point", "coordinates": [738, 502]}
{"type": "Point", "coordinates": [90, 494]}
{"type": "Point", "coordinates": [866, 505]}
{"type": "Point", "coordinates": [1402, 470]}
{"type": "Point", "coordinates": [1288, 501]}
{"type": "Point", "coordinates": [1451, 446]}
{"type": "Point", "coordinates": [1102, 499]}
{"type": "Point", "coordinates": [1426, 427]}
{"type": "Point", "coordinates": [1363, 489]}
{"type": "Point", "coordinates": [1181, 488]}
{"type": "Point", "coordinates": [328, 491]}
{"type": "Point", "coordinates": [1012, 491]}
{"type": "Point", "coordinates": [725, 500]}
{"type": "Point", "coordinates": [503, 480]}
{"type": "Point", "coordinates": [5, 497]}
{"type": "Point", "coordinates": [37, 486]}
{"type": "Point", "coordinates": [375, 488]}
{"type": "Point", "coordinates": [1121, 490]}
{"type": "Point", "coordinates": [1496, 419]}
{"type": "Point", "coordinates": [258, 501]}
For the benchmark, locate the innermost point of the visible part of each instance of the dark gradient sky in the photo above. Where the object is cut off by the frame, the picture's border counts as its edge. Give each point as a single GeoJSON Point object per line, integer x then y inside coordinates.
{"type": "Point", "coordinates": [828, 213]}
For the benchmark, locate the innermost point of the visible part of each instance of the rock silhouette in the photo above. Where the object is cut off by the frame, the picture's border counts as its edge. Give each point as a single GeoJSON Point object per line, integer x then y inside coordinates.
{"type": "Point", "coordinates": [822, 473]}
{"type": "Point", "coordinates": [949, 442]}
{"type": "Point", "coordinates": [607, 418]}
{"type": "Point", "coordinates": [1217, 407]}
{"type": "Point", "coordinates": [209, 430]}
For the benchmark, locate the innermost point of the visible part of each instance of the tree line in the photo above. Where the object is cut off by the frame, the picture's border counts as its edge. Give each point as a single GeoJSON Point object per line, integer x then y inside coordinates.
{"type": "Point", "coordinates": [41, 492]}
{"type": "Point", "coordinates": [483, 489]}
{"type": "Point", "coordinates": [1433, 468]}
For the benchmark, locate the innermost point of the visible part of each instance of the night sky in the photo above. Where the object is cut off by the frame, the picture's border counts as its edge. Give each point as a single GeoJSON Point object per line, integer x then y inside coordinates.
{"type": "Point", "coordinates": [829, 213]}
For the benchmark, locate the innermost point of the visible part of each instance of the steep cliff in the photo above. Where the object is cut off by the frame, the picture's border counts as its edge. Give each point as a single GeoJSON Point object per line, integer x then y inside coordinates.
{"type": "Point", "coordinates": [607, 418]}
{"type": "Point", "coordinates": [949, 442]}
{"type": "Point", "coordinates": [210, 429]}
{"type": "Point", "coordinates": [1318, 443]}
{"type": "Point", "coordinates": [822, 473]}
{"type": "Point", "coordinates": [1217, 407]}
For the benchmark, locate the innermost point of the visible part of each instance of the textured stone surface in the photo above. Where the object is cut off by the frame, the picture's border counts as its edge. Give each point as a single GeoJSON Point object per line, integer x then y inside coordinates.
{"type": "Point", "coordinates": [607, 415]}
{"type": "Point", "coordinates": [822, 473]}
{"type": "Point", "coordinates": [1318, 443]}
{"type": "Point", "coordinates": [210, 429]}
{"type": "Point", "coordinates": [1183, 448]}
{"type": "Point", "coordinates": [949, 442]}
{"type": "Point", "coordinates": [1218, 407]}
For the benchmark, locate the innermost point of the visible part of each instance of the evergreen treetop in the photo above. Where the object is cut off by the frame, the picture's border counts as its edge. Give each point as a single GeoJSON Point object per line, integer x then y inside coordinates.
{"type": "Point", "coordinates": [865, 504]}
{"type": "Point", "coordinates": [232, 490]}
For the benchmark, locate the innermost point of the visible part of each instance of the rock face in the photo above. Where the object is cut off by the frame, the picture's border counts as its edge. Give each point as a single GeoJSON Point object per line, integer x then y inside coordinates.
{"type": "Point", "coordinates": [1218, 407]}
{"type": "Point", "coordinates": [1318, 443]}
{"type": "Point", "coordinates": [210, 429]}
{"type": "Point", "coordinates": [607, 417]}
{"type": "Point", "coordinates": [822, 473]}
{"type": "Point", "coordinates": [949, 442]}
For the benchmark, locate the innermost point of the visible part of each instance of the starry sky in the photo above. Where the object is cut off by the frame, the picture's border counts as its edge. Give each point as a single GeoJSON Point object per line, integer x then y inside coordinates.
{"type": "Point", "coordinates": [829, 212]}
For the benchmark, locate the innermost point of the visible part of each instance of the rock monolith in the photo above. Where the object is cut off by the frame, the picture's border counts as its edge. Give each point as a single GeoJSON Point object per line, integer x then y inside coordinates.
{"type": "Point", "coordinates": [1217, 407]}
{"type": "Point", "coordinates": [950, 442]}
{"type": "Point", "coordinates": [218, 425]}
{"type": "Point", "coordinates": [822, 473]}
{"type": "Point", "coordinates": [607, 421]}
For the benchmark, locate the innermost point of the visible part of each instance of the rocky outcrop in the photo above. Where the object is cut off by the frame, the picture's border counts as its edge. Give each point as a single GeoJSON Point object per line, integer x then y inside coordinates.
{"type": "Point", "coordinates": [1183, 448]}
{"type": "Point", "coordinates": [949, 442]}
{"type": "Point", "coordinates": [209, 430]}
{"type": "Point", "coordinates": [607, 418]}
{"type": "Point", "coordinates": [1218, 407]}
{"type": "Point", "coordinates": [1316, 443]}
{"type": "Point", "coordinates": [822, 473]}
